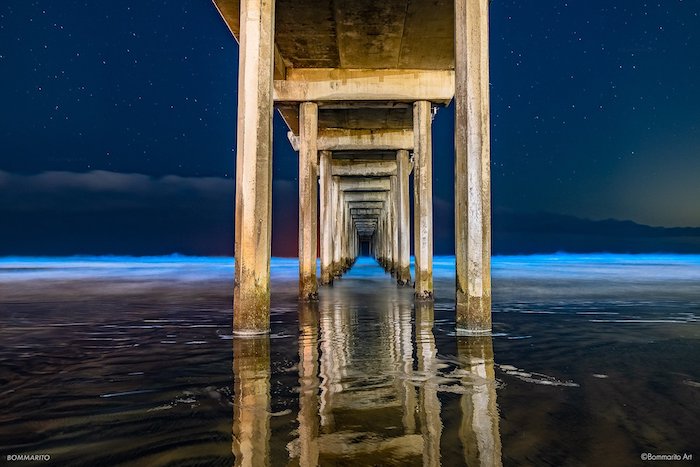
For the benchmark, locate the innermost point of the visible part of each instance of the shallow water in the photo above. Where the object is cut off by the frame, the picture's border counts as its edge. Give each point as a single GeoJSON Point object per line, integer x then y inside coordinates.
{"type": "Point", "coordinates": [595, 359]}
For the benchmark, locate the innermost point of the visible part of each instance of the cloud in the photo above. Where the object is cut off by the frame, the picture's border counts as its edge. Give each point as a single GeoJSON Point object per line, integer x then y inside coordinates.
{"type": "Point", "coordinates": [105, 190]}
{"type": "Point", "coordinates": [117, 213]}
{"type": "Point", "coordinates": [115, 182]}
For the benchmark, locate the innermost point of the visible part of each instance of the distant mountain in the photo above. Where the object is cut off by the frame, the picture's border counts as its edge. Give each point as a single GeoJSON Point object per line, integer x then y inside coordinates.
{"type": "Point", "coordinates": [517, 232]}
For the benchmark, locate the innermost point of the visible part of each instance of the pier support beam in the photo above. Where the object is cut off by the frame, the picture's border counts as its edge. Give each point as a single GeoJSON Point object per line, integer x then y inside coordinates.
{"type": "Point", "coordinates": [251, 289]}
{"type": "Point", "coordinates": [337, 226]}
{"type": "Point", "coordinates": [308, 200]}
{"type": "Point", "coordinates": [403, 273]}
{"type": "Point", "coordinates": [472, 167]}
{"type": "Point", "coordinates": [325, 168]}
{"type": "Point", "coordinates": [394, 203]}
{"type": "Point", "coordinates": [423, 193]}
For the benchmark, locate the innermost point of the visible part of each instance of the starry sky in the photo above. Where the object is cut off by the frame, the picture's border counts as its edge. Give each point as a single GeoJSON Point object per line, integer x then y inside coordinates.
{"type": "Point", "coordinates": [117, 124]}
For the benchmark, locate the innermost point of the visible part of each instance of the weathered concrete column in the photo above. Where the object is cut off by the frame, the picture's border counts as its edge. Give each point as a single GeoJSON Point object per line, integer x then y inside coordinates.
{"type": "Point", "coordinates": [343, 234]}
{"type": "Point", "coordinates": [416, 220]}
{"type": "Point", "coordinates": [403, 274]}
{"type": "Point", "coordinates": [308, 200]}
{"type": "Point", "coordinates": [337, 226]}
{"type": "Point", "coordinates": [251, 287]}
{"type": "Point", "coordinates": [389, 235]}
{"type": "Point", "coordinates": [251, 401]}
{"type": "Point", "coordinates": [423, 163]}
{"type": "Point", "coordinates": [394, 202]}
{"type": "Point", "coordinates": [326, 218]}
{"type": "Point", "coordinates": [472, 167]}
{"type": "Point", "coordinates": [382, 239]}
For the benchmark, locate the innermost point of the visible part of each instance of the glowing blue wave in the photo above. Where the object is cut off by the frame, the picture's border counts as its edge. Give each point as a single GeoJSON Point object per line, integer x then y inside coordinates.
{"type": "Point", "coordinates": [619, 267]}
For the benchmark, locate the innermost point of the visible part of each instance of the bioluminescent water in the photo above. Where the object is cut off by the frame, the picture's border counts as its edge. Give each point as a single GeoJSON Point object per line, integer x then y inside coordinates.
{"type": "Point", "coordinates": [594, 360]}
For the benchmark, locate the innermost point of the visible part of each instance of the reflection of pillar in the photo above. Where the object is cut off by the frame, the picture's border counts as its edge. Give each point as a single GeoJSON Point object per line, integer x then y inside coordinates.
{"type": "Point", "coordinates": [431, 423]}
{"type": "Point", "coordinates": [403, 275]}
{"type": "Point", "coordinates": [335, 347]}
{"type": "Point", "coordinates": [308, 200]}
{"type": "Point", "coordinates": [253, 241]}
{"type": "Point", "coordinates": [479, 432]}
{"type": "Point", "coordinates": [251, 401]}
{"type": "Point", "coordinates": [423, 192]}
{"type": "Point", "coordinates": [404, 342]}
{"type": "Point", "coordinates": [472, 166]}
{"type": "Point", "coordinates": [308, 382]}
{"type": "Point", "coordinates": [326, 218]}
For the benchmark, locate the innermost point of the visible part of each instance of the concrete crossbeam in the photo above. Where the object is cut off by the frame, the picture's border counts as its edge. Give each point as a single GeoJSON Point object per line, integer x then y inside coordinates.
{"type": "Point", "coordinates": [351, 168]}
{"type": "Point", "coordinates": [344, 139]}
{"type": "Point", "coordinates": [353, 184]}
{"type": "Point", "coordinates": [337, 139]}
{"type": "Point", "coordinates": [365, 204]}
{"type": "Point", "coordinates": [340, 84]}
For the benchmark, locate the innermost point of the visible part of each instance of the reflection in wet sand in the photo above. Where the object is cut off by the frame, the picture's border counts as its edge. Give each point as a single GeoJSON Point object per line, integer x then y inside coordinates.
{"type": "Point", "coordinates": [362, 403]}
{"type": "Point", "coordinates": [251, 401]}
{"type": "Point", "coordinates": [478, 431]}
{"type": "Point", "coordinates": [308, 450]}
{"type": "Point", "coordinates": [431, 423]}
{"type": "Point", "coordinates": [365, 386]}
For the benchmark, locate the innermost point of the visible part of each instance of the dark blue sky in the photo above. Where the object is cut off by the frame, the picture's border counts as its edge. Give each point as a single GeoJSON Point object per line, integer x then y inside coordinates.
{"type": "Point", "coordinates": [595, 114]}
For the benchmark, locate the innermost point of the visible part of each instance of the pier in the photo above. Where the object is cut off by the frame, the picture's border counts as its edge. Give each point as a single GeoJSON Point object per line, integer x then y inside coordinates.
{"type": "Point", "coordinates": [358, 84]}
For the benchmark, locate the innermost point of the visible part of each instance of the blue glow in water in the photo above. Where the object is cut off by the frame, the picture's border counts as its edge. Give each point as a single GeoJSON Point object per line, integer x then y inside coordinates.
{"type": "Point", "coordinates": [619, 267]}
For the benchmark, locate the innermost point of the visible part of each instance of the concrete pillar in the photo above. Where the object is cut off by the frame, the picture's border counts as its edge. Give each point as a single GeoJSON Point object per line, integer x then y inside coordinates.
{"type": "Point", "coordinates": [389, 235]}
{"type": "Point", "coordinates": [337, 226]}
{"type": "Point", "coordinates": [251, 401]}
{"type": "Point", "coordinates": [403, 274]}
{"type": "Point", "coordinates": [342, 234]}
{"type": "Point", "coordinates": [326, 218]}
{"type": "Point", "coordinates": [251, 288]}
{"type": "Point", "coordinates": [382, 239]}
{"type": "Point", "coordinates": [416, 220]}
{"type": "Point", "coordinates": [423, 188]}
{"type": "Point", "coordinates": [472, 167]}
{"type": "Point", "coordinates": [479, 430]}
{"type": "Point", "coordinates": [308, 200]}
{"type": "Point", "coordinates": [394, 201]}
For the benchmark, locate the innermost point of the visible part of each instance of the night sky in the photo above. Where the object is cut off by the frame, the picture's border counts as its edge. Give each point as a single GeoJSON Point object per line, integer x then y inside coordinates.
{"type": "Point", "coordinates": [117, 129]}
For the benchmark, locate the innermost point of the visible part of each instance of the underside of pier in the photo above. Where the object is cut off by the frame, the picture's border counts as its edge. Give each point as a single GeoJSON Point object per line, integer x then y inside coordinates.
{"type": "Point", "coordinates": [358, 83]}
